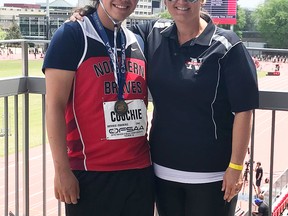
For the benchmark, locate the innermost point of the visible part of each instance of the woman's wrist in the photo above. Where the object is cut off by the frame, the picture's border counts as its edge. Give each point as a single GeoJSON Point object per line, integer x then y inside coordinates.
{"type": "Point", "coordinates": [234, 166]}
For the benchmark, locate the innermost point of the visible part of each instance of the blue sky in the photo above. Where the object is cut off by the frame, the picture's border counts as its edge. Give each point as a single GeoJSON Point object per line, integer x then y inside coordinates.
{"type": "Point", "coordinates": [244, 3]}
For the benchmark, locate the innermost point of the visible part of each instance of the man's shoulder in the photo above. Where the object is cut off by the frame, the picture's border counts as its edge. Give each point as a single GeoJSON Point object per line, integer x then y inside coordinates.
{"type": "Point", "coordinates": [263, 207]}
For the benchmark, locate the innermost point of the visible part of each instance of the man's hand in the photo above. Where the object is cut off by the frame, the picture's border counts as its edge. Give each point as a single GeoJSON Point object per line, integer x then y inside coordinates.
{"type": "Point", "coordinates": [66, 187]}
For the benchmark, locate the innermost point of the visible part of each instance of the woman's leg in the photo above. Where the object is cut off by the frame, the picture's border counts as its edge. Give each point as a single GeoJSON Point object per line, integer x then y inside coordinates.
{"type": "Point", "coordinates": [178, 199]}
{"type": "Point", "coordinates": [206, 200]}
{"type": "Point", "coordinates": [170, 198]}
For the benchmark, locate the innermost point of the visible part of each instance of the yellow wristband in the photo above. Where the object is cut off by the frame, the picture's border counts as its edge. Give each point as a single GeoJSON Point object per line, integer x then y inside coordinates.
{"type": "Point", "coordinates": [236, 166]}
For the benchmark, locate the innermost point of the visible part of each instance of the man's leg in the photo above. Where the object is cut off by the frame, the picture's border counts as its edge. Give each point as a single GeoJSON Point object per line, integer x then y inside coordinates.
{"type": "Point", "coordinates": [110, 193]}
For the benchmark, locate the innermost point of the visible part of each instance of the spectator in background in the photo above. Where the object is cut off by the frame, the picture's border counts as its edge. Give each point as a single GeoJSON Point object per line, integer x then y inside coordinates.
{"type": "Point", "coordinates": [259, 175]}
{"type": "Point", "coordinates": [285, 212]}
{"type": "Point", "coordinates": [263, 208]}
{"type": "Point", "coordinates": [256, 62]}
{"type": "Point", "coordinates": [35, 53]}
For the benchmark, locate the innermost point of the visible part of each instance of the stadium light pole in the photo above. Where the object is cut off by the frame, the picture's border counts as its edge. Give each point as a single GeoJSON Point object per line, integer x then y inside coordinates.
{"type": "Point", "coordinates": [47, 20]}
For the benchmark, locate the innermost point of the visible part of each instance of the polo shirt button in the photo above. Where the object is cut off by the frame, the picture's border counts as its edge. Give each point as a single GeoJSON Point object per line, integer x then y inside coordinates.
{"type": "Point", "coordinates": [175, 54]}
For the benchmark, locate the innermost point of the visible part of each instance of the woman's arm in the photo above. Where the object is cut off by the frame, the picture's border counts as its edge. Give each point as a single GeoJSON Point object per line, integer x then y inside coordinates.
{"type": "Point", "coordinates": [240, 140]}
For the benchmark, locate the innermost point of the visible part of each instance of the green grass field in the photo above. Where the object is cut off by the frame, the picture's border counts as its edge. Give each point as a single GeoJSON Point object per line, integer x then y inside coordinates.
{"type": "Point", "coordinates": [261, 74]}
{"type": "Point", "coordinates": [12, 68]}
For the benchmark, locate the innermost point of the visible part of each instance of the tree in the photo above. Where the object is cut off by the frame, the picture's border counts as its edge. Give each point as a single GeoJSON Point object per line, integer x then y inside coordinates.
{"type": "Point", "coordinates": [272, 22]}
{"type": "Point", "coordinates": [250, 22]}
{"type": "Point", "coordinates": [241, 22]}
{"type": "Point", "coordinates": [13, 32]}
{"type": "Point", "coordinates": [165, 14]}
{"type": "Point", "coordinates": [2, 34]}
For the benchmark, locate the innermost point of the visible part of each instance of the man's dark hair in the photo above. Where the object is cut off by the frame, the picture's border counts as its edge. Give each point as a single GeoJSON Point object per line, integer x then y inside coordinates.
{"type": "Point", "coordinates": [88, 9]}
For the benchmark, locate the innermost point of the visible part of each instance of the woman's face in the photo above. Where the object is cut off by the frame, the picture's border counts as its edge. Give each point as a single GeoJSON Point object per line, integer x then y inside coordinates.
{"type": "Point", "coordinates": [183, 10]}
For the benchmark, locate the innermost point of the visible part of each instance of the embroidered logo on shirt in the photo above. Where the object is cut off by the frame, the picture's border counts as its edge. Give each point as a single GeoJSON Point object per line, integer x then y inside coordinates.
{"type": "Point", "coordinates": [194, 64]}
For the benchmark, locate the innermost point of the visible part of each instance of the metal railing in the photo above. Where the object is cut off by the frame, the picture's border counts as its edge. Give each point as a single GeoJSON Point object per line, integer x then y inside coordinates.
{"type": "Point", "coordinates": [274, 101]}
{"type": "Point", "coordinates": [14, 89]}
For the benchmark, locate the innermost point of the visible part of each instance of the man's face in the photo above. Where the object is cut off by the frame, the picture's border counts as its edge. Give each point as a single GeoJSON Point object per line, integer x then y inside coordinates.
{"type": "Point", "coordinates": [119, 10]}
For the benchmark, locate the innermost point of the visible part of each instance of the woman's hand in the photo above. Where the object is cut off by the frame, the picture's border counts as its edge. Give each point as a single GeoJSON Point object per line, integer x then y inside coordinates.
{"type": "Point", "coordinates": [232, 183]}
{"type": "Point", "coordinates": [80, 12]}
{"type": "Point", "coordinates": [75, 16]}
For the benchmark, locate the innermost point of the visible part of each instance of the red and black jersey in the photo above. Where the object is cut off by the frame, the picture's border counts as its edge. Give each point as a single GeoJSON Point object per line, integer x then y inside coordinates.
{"type": "Point", "coordinates": [97, 139]}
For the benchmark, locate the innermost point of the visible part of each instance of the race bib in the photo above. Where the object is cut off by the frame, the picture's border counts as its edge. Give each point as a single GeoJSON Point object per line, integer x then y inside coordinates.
{"type": "Point", "coordinates": [130, 125]}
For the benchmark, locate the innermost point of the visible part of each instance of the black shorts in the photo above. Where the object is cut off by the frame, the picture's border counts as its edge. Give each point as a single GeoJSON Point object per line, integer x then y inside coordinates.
{"type": "Point", "coordinates": [117, 193]}
{"type": "Point", "coordinates": [180, 199]}
{"type": "Point", "coordinates": [258, 182]}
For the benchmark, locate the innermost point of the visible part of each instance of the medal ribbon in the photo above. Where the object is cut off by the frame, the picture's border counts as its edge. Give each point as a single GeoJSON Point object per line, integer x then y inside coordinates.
{"type": "Point", "coordinates": [119, 73]}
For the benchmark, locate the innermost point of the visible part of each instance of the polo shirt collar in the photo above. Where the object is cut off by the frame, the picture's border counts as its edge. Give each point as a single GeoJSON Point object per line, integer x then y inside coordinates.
{"type": "Point", "coordinates": [205, 38]}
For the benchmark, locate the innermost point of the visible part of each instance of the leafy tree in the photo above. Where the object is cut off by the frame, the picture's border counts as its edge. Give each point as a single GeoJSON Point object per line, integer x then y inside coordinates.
{"type": "Point", "coordinates": [13, 32]}
{"type": "Point", "coordinates": [250, 22]}
{"type": "Point", "coordinates": [165, 14]}
{"type": "Point", "coordinates": [2, 34]}
{"type": "Point", "coordinates": [241, 22]}
{"type": "Point", "coordinates": [272, 22]}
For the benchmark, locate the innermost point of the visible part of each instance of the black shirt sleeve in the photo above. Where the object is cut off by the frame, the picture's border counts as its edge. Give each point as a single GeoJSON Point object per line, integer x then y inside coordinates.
{"type": "Point", "coordinates": [241, 79]}
{"type": "Point", "coordinates": [66, 48]}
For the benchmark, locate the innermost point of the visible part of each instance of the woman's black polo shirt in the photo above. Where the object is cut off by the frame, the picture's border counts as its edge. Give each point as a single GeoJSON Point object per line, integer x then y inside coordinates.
{"type": "Point", "coordinates": [196, 89]}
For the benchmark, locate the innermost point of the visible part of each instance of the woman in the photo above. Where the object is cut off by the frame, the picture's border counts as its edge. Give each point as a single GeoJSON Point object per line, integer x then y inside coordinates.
{"type": "Point", "coordinates": [204, 88]}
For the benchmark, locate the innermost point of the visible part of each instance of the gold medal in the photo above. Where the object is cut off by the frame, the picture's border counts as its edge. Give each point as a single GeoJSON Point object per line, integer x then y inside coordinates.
{"type": "Point", "coordinates": [121, 107]}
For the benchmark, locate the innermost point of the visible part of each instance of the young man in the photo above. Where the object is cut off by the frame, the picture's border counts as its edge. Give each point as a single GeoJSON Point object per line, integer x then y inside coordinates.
{"type": "Point", "coordinates": [259, 175]}
{"type": "Point", "coordinates": [96, 115]}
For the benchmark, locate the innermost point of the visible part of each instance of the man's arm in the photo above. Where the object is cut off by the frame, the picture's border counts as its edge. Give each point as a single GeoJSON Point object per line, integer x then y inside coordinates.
{"type": "Point", "coordinates": [240, 141]}
{"type": "Point", "coordinates": [58, 88]}
{"type": "Point", "coordinates": [261, 211]}
{"type": "Point", "coordinates": [260, 173]}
